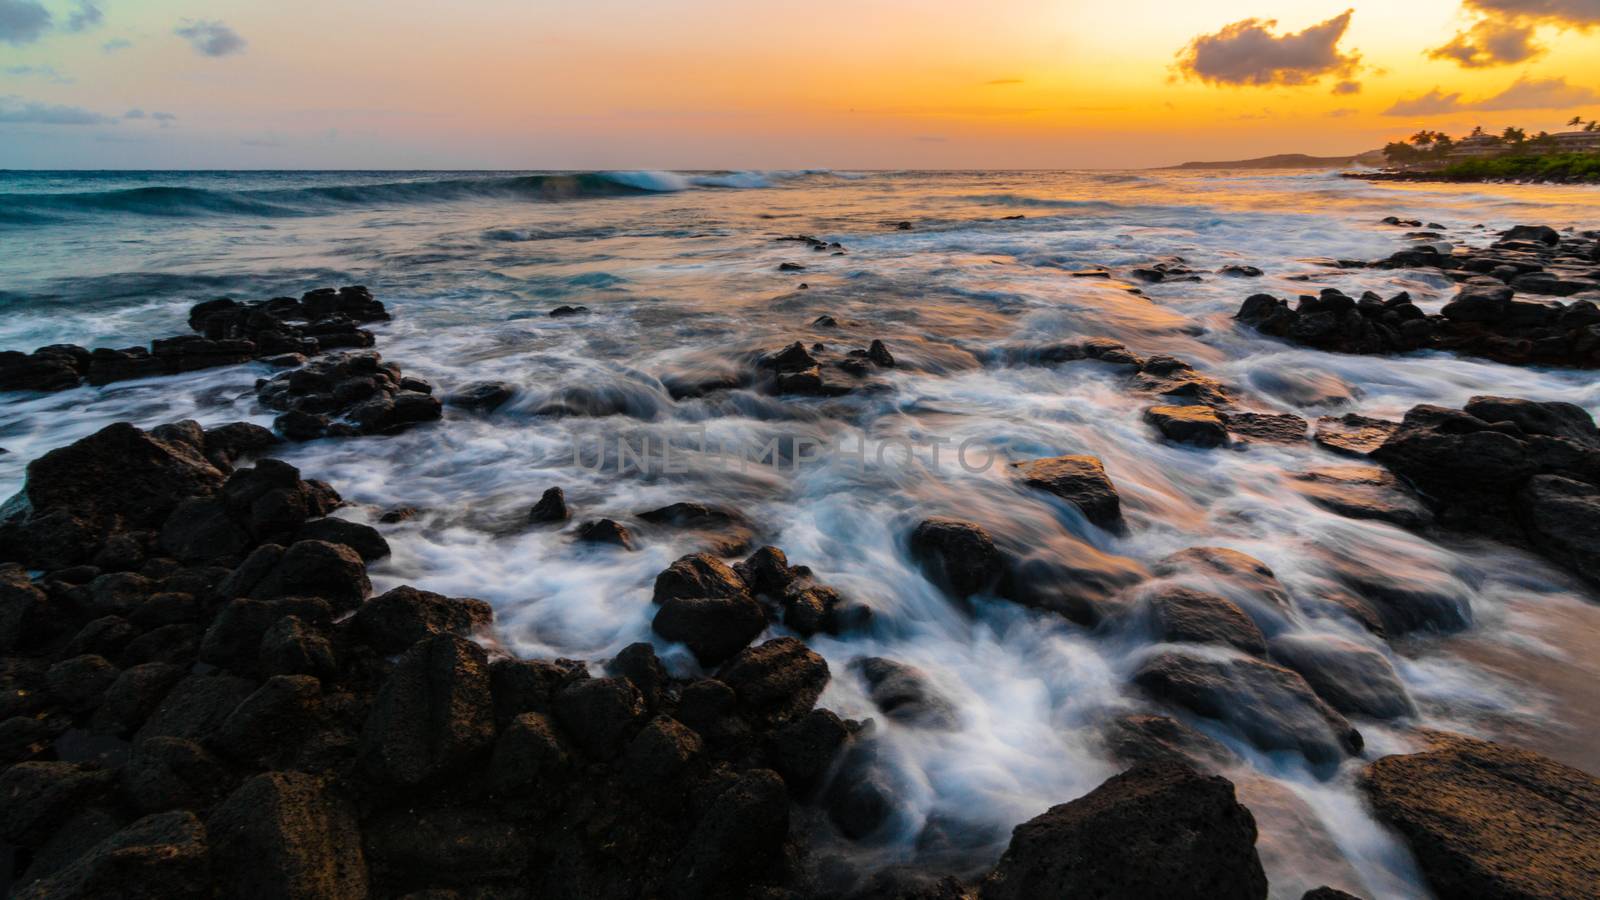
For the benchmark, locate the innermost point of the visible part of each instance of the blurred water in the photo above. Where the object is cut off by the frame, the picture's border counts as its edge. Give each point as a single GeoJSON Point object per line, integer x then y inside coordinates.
{"type": "Point", "coordinates": [681, 273]}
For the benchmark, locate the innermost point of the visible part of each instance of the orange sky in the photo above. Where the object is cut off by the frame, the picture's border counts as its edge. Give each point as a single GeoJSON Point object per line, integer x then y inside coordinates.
{"type": "Point", "coordinates": [723, 84]}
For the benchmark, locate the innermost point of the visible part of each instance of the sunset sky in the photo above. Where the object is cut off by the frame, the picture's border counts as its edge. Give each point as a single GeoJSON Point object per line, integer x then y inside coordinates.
{"type": "Point", "coordinates": [737, 84]}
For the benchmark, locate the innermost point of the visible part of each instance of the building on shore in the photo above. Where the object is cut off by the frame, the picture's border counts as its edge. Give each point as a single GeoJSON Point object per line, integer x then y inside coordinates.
{"type": "Point", "coordinates": [1577, 141]}
{"type": "Point", "coordinates": [1478, 145]}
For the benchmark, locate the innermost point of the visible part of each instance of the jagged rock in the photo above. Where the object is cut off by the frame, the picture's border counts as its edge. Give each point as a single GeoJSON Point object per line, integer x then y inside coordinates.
{"type": "Point", "coordinates": [1284, 428]}
{"type": "Point", "coordinates": [37, 797]}
{"type": "Point", "coordinates": [445, 846]}
{"type": "Point", "coordinates": [804, 749]}
{"type": "Point", "coordinates": [958, 556]}
{"type": "Point", "coordinates": [1103, 844]}
{"type": "Point", "coordinates": [171, 773]}
{"type": "Point", "coordinates": [393, 621]}
{"type": "Point", "coordinates": [1270, 706]}
{"type": "Point", "coordinates": [332, 572]}
{"type": "Point", "coordinates": [158, 857]}
{"type": "Point", "coordinates": [528, 755]}
{"type": "Point", "coordinates": [1491, 821]}
{"type": "Point", "coordinates": [776, 681]}
{"type": "Point", "coordinates": [283, 834]}
{"type": "Point", "coordinates": [482, 396]}
{"type": "Point", "coordinates": [660, 753]}
{"type": "Point", "coordinates": [1352, 434]}
{"type": "Point", "coordinates": [1079, 480]}
{"type": "Point", "coordinates": [267, 728]}
{"type": "Point", "coordinates": [698, 575]}
{"type": "Point", "coordinates": [432, 716]}
{"type": "Point", "coordinates": [737, 839]}
{"type": "Point", "coordinates": [552, 507]}
{"type": "Point", "coordinates": [195, 707]}
{"type": "Point", "coordinates": [119, 474]}
{"type": "Point", "coordinates": [1137, 739]}
{"type": "Point", "coordinates": [606, 531]}
{"type": "Point", "coordinates": [600, 714]}
{"type": "Point", "coordinates": [136, 693]}
{"type": "Point", "coordinates": [714, 628]}
{"type": "Point", "coordinates": [364, 539]}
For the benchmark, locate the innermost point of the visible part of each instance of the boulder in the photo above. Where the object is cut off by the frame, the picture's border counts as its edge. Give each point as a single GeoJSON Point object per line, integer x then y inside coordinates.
{"type": "Point", "coordinates": [1197, 425]}
{"type": "Point", "coordinates": [1363, 492]}
{"type": "Point", "coordinates": [1353, 679]}
{"type": "Point", "coordinates": [445, 847]}
{"type": "Point", "coordinates": [332, 572]}
{"type": "Point", "coordinates": [1079, 480]}
{"type": "Point", "coordinates": [1181, 614]}
{"type": "Point", "coordinates": [737, 840]}
{"type": "Point", "coordinates": [1135, 739]}
{"type": "Point", "coordinates": [1158, 830]}
{"type": "Point", "coordinates": [714, 628]}
{"type": "Point", "coordinates": [432, 716]}
{"type": "Point", "coordinates": [159, 857]}
{"type": "Point", "coordinates": [37, 797]}
{"type": "Point", "coordinates": [959, 557]}
{"type": "Point", "coordinates": [394, 620]}
{"type": "Point", "coordinates": [528, 756]}
{"type": "Point", "coordinates": [171, 773]}
{"type": "Point", "coordinates": [482, 396]}
{"type": "Point", "coordinates": [363, 539]}
{"type": "Point", "coordinates": [776, 681]}
{"type": "Point", "coordinates": [1490, 821]}
{"type": "Point", "coordinates": [119, 474]}
{"type": "Point", "coordinates": [1270, 706]}
{"type": "Point", "coordinates": [600, 714]}
{"type": "Point", "coordinates": [905, 694]}
{"type": "Point", "coordinates": [804, 749]}
{"type": "Point", "coordinates": [283, 834]}
{"type": "Point", "coordinates": [552, 507]}
{"type": "Point", "coordinates": [196, 707]}
{"type": "Point", "coordinates": [699, 575]}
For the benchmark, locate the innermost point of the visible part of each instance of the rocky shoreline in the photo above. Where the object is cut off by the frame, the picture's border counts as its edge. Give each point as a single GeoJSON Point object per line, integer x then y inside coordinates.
{"type": "Point", "coordinates": [203, 697]}
{"type": "Point", "coordinates": [1440, 178]}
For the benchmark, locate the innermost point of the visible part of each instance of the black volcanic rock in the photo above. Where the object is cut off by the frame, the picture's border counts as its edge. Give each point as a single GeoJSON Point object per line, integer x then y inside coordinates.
{"type": "Point", "coordinates": [958, 556]}
{"type": "Point", "coordinates": [1491, 821]}
{"type": "Point", "coordinates": [1079, 480]}
{"type": "Point", "coordinates": [1158, 830]}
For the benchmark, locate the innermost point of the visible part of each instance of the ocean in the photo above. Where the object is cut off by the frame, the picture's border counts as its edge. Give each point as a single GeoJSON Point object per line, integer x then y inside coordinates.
{"type": "Point", "coordinates": [969, 279]}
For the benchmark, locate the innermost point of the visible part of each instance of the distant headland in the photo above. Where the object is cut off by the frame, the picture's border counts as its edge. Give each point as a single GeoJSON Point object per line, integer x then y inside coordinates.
{"type": "Point", "coordinates": [1289, 161]}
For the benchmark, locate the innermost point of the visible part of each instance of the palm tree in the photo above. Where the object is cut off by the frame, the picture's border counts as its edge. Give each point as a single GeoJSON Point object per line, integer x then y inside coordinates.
{"type": "Point", "coordinates": [1576, 120]}
{"type": "Point", "coordinates": [1477, 131]}
{"type": "Point", "coordinates": [1592, 126]}
{"type": "Point", "coordinates": [1513, 135]}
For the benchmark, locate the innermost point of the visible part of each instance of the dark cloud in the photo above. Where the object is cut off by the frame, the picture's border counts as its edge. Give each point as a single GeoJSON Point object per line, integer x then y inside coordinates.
{"type": "Point", "coordinates": [133, 114]}
{"type": "Point", "coordinates": [22, 21]}
{"type": "Point", "coordinates": [1524, 93]}
{"type": "Point", "coordinates": [85, 17]}
{"type": "Point", "coordinates": [116, 44]}
{"type": "Point", "coordinates": [209, 38]}
{"type": "Point", "coordinates": [1249, 53]}
{"type": "Point", "coordinates": [1347, 87]}
{"type": "Point", "coordinates": [15, 110]}
{"type": "Point", "coordinates": [1503, 33]}
{"type": "Point", "coordinates": [1490, 42]}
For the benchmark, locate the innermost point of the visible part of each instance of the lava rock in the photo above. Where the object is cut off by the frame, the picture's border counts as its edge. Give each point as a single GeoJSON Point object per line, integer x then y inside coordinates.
{"type": "Point", "coordinates": [552, 507]}
{"type": "Point", "coordinates": [1079, 480]}
{"type": "Point", "coordinates": [959, 557]}
{"type": "Point", "coordinates": [395, 620]}
{"type": "Point", "coordinates": [283, 834]}
{"type": "Point", "coordinates": [432, 716]}
{"type": "Point", "coordinates": [1102, 844]}
{"type": "Point", "coordinates": [1353, 679]}
{"type": "Point", "coordinates": [1197, 425]}
{"type": "Point", "coordinates": [776, 681]}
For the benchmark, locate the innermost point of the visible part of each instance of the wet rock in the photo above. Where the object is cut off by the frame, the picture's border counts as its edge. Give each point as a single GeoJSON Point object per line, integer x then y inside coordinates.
{"type": "Point", "coordinates": [698, 575]}
{"type": "Point", "coordinates": [1353, 679]}
{"type": "Point", "coordinates": [1181, 614]}
{"type": "Point", "coordinates": [482, 396]}
{"type": "Point", "coordinates": [1102, 844]}
{"type": "Point", "coordinates": [432, 716]}
{"type": "Point", "coordinates": [1352, 434]}
{"type": "Point", "coordinates": [880, 355]}
{"type": "Point", "coordinates": [639, 664]}
{"type": "Point", "coordinates": [804, 749]}
{"type": "Point", "coordinates": [960, 557]}
{"type": "Point", "coordinates": [606, 531]}
{"type": "Point", "coordinates": [283, 834]}
{"type": "Point", "coordinates": [600, 714]}
{"type": "Point", "coordinates": [1238, 271]}
{"type": "Point", "coordinates": [776, 681]}
{"type": "Point", "coordinates": [393, 621]}
{"type": "Point", "coordinates": [54, 368]}
{"type": "Point", "coordinates": [528, 755]}
{"type": "Point", "coordinates": [737, 839]}
{"type": "Point", "coordinates": [1265, 428]}
{"type": "Point", "coordinates": [714, 628]}
{"type": "Point", "coordinates": [711, 708]}
{"type": "Point", "coordinates": [565, 311]}
{"type": "Point", "coordinates": [865, 799]}
{"type": "Point", "coordinates": [1488, 820]}
{"type": "Point", "coordinates": [1241, 576]}
{"type": "Point", "coordinates": [1327, 893]}
{"type": "Point", "coordinates": [1270, 706]}
{"type": "Point", "coordinates": [530, 685]}
{"type": "Point", "coordinates": [363, 539]}
{"type": "Point", "coordinates": [119, 474]}
{"type": "Point", "coordinates": [1363, 492]}
{"type": "Point", "coordinates": [1197, 425]}
{"type": "Point", "coordinates": [552, 507]}
{"type": "Point", "coordinates": [235, 637]}
{"type": "Point", "coordinates": [1079, 480]}
{"type": "Point", "coordinates": [159, 856]}
{"type": "Point", "coordinates": [332, 572]}
{"type": "Point", "coordinates": [1142, 738]}
{"type": "Point", "coordinates": [1544, 234]}
{"type": "Point", "coordinates": [1530, 474]}
{"type": "Point", "coordinates": [904, 694]}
